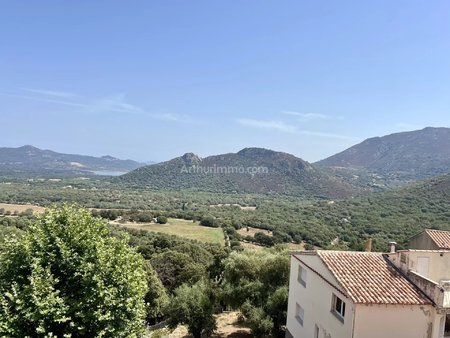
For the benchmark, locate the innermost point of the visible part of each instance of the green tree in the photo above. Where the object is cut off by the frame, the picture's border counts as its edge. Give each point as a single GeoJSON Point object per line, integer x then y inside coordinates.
{"type": "Point", "coordinates": [209, 221]}
{"type": "Point", "coordinates": [276, 309]}
{"type": "Point", "coordinates": [67, 276]}
{"type": "Point", "coordinates": [257, 320]}
{"type": "Point", "coordinates": [193, 306]}
{"type": "Point", "coordinates": [156, 297]}
{"type": "Point", "coordinates": [263, 239]}
{"type": "Point", "coordinates": [175, 268]}
{"type": "Point", "coordinates": [256, 283]}
{"type": "Point", "coordinates": [161, 219]}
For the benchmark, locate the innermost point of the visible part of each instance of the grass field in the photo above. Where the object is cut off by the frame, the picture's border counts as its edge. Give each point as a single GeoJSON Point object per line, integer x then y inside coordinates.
{"type": "Point", "coordinates": [182, 228]}
{"type": "Point", "coordinates": [21, 207]}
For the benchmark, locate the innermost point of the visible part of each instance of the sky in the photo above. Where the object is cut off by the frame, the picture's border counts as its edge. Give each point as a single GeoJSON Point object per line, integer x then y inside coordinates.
{"type": "Point", "coordinates": [152, 80]}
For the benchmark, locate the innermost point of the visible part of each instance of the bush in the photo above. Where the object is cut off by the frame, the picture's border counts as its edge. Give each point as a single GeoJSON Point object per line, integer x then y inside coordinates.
{"type": "Point", "coordinates": [109, 214]}
{"type": "Point", "coordinates": [257, 320]}
{"type": "Point", "coordinates": [263, 239]}
{"type": "Point", "coordinates": [67, 276]}
{"type": "Point", "coordinates": [161, 219]}
{"type": "Point", "coordinates": [193, 306]}
{"type": "Point", "coordinates": [27, 213]}
{"type": "Point", "coordinates": [256, 283]}
{"type": "Point", "coordinates": [209, 221]}
{"type": "Point", "coordinates": [141, 217]}
{"type": "Point", "coordinates": [156, 297]}
{"type": "Point", "coordinates": [309, 246]}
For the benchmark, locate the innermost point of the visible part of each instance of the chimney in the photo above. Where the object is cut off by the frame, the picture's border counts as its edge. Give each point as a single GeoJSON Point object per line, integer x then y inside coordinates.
{"type": "Point", "coordinates": [392, 247]}
{"type": "Point", "coordinates": [368, 245]}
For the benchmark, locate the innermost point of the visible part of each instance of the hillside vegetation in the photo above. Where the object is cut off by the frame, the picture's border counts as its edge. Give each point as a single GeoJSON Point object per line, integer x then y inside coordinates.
{"type": "Point", "coordinates": [251, 170]}
{"type": "Point", "coordinates": [396, 158]}
{"type": "Point", "coordinates": [384, 216]}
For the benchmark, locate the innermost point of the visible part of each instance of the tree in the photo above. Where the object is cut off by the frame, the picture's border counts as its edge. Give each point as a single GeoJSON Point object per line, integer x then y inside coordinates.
{"type": "Point", "coordinates": [276, 309]}
{"type": "Point", "coordinates": [161, 219]}
{"type": "Point", "coordinates": [193, 306]}
{"type": "Point", "coordinates": [263, 239]}
{"type": "Point", "coordinates": [156, 297]}
{"type": "Point", "coordinates": [175, 268]}
{"type": "Point", "coordinates": [109, 214]}
{"type": "Point", "coordinates": [257, 320]}
{"type": "Point", "coordinates": [209, 221]}
{"type": "Point", "coordinates": [67, 276]}
{"type": "Point", "coordinates": [256, 283]}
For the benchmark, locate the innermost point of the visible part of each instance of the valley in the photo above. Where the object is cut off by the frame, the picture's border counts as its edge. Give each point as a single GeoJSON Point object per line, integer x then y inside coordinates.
{"type": "Point", "coordinates": [220, 226]}
{"type": "Point", "coordinates": [217, 169]}
{"type": "Point", "coordinates": [397, 213]}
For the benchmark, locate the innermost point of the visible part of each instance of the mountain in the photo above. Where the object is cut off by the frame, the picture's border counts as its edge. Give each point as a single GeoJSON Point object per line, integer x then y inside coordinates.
{"type": "Point", "coordinates": [29, 159]}
{"type": "Point", "coordinates": [397, 157]}
{"type": "Point", "coordinates": [251, 170]}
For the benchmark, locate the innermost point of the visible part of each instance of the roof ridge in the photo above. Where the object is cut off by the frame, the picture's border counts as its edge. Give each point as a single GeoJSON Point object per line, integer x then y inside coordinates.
{"type": "Point", "coordinates": [351, 252]}
{"type": "Point", "coordinates": [367, 278]}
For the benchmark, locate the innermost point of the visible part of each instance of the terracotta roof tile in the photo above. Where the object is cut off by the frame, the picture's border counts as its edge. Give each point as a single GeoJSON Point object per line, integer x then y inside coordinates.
{"type": "Point", "coordinates": [440, 237]}
{"type": "Point", "coordinates": [368, 278]}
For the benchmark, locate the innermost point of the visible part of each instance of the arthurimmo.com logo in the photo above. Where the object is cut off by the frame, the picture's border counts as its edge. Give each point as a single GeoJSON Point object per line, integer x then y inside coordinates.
{"type": "Point", "coordinates": [215, 169]}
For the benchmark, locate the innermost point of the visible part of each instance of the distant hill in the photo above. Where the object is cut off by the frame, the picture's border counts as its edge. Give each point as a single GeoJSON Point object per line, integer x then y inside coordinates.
{"type": "Point", "coordinates": [251, 170]}
{"type": "Point", "coordinates": [393, 215]}
{"type": "Point", "coordinates": [397, 157]}
{"type": "Point", "coordinates": [29, 159]}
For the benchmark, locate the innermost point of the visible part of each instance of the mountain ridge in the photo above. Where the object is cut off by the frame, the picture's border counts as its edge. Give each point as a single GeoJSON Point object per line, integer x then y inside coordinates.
{"type": "Point", "coordinates": [30, 159]}
{"type": "Point", "coordinates": [404, 156]}
{"type": "Point", "coordinates": [251, 170]}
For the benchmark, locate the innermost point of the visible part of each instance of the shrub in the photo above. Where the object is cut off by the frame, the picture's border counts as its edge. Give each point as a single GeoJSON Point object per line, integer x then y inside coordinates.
{"type": "Point", "coordinates": [193, 306]}
{"type": "Point", "coordinates": [209, 221]}
{"type": "Point", "coordinates": [161, 219]}
{"type": "Point", "coordinates": [67, 276]}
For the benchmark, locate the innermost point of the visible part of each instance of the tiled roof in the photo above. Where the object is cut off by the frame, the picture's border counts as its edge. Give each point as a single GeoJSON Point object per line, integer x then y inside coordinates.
{"type": "Point", "coordinates": [441, 238]}
{"type": "Point", "coordinates": [368, 278]}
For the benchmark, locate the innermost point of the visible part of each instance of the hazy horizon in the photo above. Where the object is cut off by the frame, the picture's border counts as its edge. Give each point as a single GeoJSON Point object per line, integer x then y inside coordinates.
{"type": "Point", "coordinates": [201, 155]}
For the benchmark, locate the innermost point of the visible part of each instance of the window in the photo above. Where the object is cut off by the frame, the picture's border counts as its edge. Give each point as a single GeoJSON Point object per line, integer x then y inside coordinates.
{"type": "Point", "coordinates": [301, 275]}
{"type": "Point", "coordinates": [299, 313]}
{"type": "Point", "coordinates": [338, 308]}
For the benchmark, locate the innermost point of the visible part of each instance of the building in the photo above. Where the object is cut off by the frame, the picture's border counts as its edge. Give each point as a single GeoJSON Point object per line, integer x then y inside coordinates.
{"type": "Point", "coordinates": [340, 294]}
{"type": "Point", "coordinates": [430, 239]}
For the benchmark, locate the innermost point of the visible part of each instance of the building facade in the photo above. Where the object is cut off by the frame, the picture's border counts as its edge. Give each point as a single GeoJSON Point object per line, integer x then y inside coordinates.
{"type": "Point", "coordinates": [339, 294]}
{"type": "Point", "coordinates": [430, 239]}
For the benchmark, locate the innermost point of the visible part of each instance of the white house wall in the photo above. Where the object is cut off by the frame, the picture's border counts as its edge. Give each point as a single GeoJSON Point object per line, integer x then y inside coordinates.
{"type": "Point", "coordinates": [439, 263]}
{"type": "Point", "coordinates": [316, 300]}
{"type": "Point", "coordinates": [395, 321]}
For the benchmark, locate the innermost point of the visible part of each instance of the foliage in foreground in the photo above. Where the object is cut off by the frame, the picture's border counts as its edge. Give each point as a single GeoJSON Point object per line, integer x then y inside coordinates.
{"type": "Point", "coordinates": [178, 260]}
{"type": "Point", "coordinates": [193, 306]}
{"type": "Point", "coordinates": [68, 277]}
{"type": "Point", "coordinates": [256, 283]}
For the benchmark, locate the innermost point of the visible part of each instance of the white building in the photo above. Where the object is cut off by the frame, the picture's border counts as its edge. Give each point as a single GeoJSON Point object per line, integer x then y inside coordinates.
{"type": "Point", "coordinates": [431, 239]}
{"type": "Point", "coordinates": [339, 294]}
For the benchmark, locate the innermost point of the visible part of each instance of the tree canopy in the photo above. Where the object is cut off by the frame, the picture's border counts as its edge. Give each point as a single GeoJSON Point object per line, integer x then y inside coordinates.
{"type": "Point", "coordinates": [68, 277]}
{"type": "Point", "coordinates": [255, 282]}
{"type": "Point", "coordinates": [193, 305]}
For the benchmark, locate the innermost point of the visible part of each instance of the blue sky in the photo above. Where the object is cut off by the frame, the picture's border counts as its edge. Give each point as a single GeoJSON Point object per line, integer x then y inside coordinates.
{"type": "Point", "coordinates": [151, 80]}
